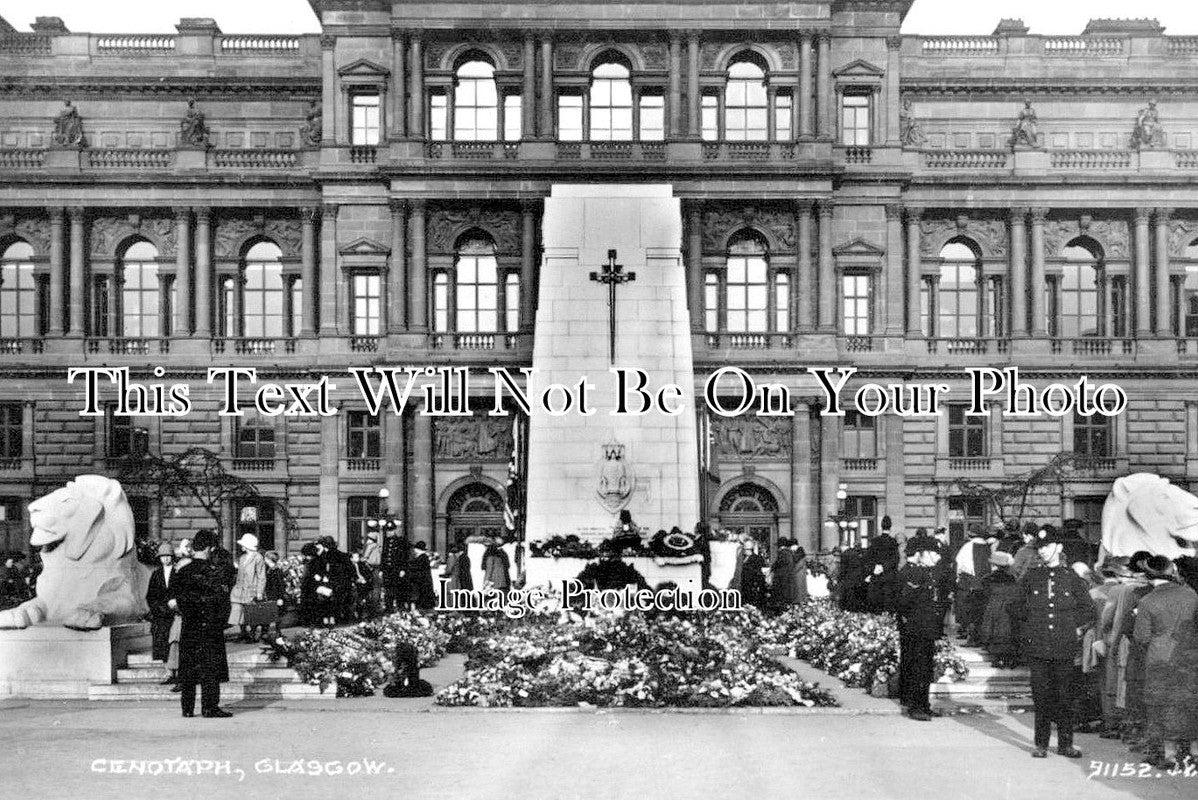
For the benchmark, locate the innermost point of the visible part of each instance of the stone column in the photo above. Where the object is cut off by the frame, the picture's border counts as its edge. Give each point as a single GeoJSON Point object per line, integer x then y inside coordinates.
{"type": "Point", "coordinates": [802, 514]}
{"type": "Point", "coordinates": [896, 468]}
{"type": "Point", "coordinates": [1018, 272]}
{"type": "Point", "coordinates": [805, 283]}
{"type": "Point", "coordinates": [415, 87]}
{"type": "Point", "coordinates": [78, 278]}
{"type": "Point", "coordinates": [827, 274]}
{"type": "Point", "coordinates": [58, 267]}
{"type": "Point", "coordinates": [1039, 327]}
{"type": "Point", "coordinates": [183, 323]}
{"type": "Point", "coordinates": [694, 265]}
{"type": "Point", "coordinates": [528, 253]}
{"type": "Point", "coordinates": [545, 126]}
{"type": "Point", "coordinates": [397, 126]}
{"type": "Point", "coordinates": [1143, 275]}
{"type": "Point", "coordinates": [420, 477]}
{"type": "Point", "coordinates": [330, 325]}
{"type": "Point", "coordinates": [393, 463]}
{"type": "Point", "coordinates": [203, 259]}
{"type": "Point", "coordinates": [397, 276]}
{"type": "Point", "coordinates": [1163, 315]}
{"type": "Point", "coordinates": [329, 103]}
{"type": "Point", "coordinates": [914, 273]}
{"type": "Point", "coordinates": [675, 101]}
{"type": "Point", "coordinates": [823, 87]}
{"type": "Point", "coordinates": [693, 125]}
{"type": "Point", "coordinates": [528, 89]}
{"type": "Point", "coordinates": [417, 276]}
{"type": "Point", "coordinates": [892, 277]}
{"type": "Point", "coordinates": [890, 92]}
{"type": "Point", "coordinates": [803, 100]}
{"type": "Point", "coordinates": [308, 216]}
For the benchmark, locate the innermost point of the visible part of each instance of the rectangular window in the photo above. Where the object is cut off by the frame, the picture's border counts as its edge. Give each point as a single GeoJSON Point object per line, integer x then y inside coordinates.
{"type": "Point", "coordinates": [966, 433]}
{"type": "Point", "coordinates": [511, 288]}
{"type": "Point", "coordinates": [859, 435]}
{"type": "Point", "coordinates": [964, 513]}
{"type": "Point", "coordinates": [360, 512]}
{"type": "Point", "coordinates": [854, 119]}
{"type": "Point", "coordinates": [926, 320]}
{"type": "Point", "coordinates": [142, 528]}
{"type": "Point", "coordinates": [857, 303]}
{"type": "Point", "coordinates": [123, 437]}
{"type": "Point", "coordinates": [1189, 303]}
{"type": "Point", "coordinates": [365, 119]}
{"type": "Point", "coordinates": [13, 535]}
{"type": "Point", "coordinates": [367, 305]}
{"type": "Point", "coordinates": [101, 306]}
{"type": "Point", "coordinates": [438, 117]}
{"type": "Point", "coordinates": [297, 306]}
{"type": "Point", "coordinates": [1093, 436]}
{"type": "Point", "coordinates": [862, 510]}
{"type": "Point", "coordinates": [781, 302]}
{"type": "Point", "coordinates": [256, 438]}
{"type": "Point", "coordinates": [363, 436]}
{"type": "Point", "coordinates": [709, 121]}
{"type": "Point", "coordinates": [227, 313]}
{"type": "Point", "coordinates": [256, 517]}
{"type": "Point", "coordinates": [711, 301]}
{"type": "Point", "coordinates": [512, 121]}
{"type": "Point", "coordinates": [12, 431]}
{"type": "Point", "coordinates": [782, 118]}
{"type": "Point", "coordinates": [441, 303]}
{"type": "Point", "coordinates": [653, 118]}
{"type": "Point", "coordinates": [569, 118]}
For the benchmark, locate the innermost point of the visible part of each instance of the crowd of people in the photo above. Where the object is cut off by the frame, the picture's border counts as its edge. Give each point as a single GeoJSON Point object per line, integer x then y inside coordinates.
{"type": "Point", "coordinates": [17, 579]}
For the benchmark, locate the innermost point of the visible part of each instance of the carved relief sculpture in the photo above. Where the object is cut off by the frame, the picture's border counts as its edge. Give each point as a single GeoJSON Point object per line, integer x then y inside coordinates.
{"type": "Point", "coordinates": [446, 225]}
{"type": "Point", "coordinates": [68, 127]}
{"type": "Point", "coordinates": [748, 438]}
{"type": "Point", "coordinates": [910, 131]}
{"type": "Point", "coordinates": [193, 130]}
{"type": "Point", "coordinates": [472, 440]}
{"type": "Point", "coordinates": [1025, 133]}
{"type": "Point", "coordinates": [1148, 133]}
{"type": "Point", "coordinates": [313, 125]}
{"type": "Point", "coordinates": [719, 225]}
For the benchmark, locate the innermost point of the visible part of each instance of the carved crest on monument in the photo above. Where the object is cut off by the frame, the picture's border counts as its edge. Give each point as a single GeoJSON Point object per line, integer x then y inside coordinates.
{"type": "Point", "coordinates": [615, 480]}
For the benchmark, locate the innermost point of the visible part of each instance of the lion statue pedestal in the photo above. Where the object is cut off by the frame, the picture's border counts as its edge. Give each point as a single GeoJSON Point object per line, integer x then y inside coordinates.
{"type": "Point", "coordinates": [1146, 512]}
{"type": "Point", "coordinates": [90, 600]}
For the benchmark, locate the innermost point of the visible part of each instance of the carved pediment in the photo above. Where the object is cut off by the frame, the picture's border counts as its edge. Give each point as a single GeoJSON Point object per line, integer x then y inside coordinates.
{"type": "Point", "coordinates": [363, 68]}
{"type": "Point", "coordinates": [859, 69]}
{"type": "Point", "coordinates": [858, 248]}
{"type": "Point", "coordinates": [365, 247]}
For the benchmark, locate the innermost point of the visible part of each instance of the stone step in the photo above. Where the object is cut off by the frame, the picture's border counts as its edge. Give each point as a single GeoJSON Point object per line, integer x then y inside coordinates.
{"type": "Point", "coordinates": [955, 689]}
{"type": "Point", "coordinates": [155, 673]}
{"type": "Point", "coordinates": [229, 692]}
{"type": "Point", "coordinates": [246, 658]}
{"type": "Point", "coordinates": [984, 670]}
{"type": "Point", "coordinates": [992, 705]}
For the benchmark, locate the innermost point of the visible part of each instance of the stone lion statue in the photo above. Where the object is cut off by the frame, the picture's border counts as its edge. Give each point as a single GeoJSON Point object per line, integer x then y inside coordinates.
{"type": "Point", "coordinates": [91, 577]}
{"type": "Point", "coordinates": [1146, 512]}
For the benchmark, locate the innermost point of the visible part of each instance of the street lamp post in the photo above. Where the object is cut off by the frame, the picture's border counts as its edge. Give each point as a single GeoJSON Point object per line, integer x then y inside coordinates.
{"type": "Point", "coordinates": [844, 528]}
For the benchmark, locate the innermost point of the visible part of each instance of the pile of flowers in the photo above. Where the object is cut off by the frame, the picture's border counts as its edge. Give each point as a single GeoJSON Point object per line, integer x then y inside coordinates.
{"type": "Point", "coordinates": [860, 649]}
{"type": "Point", "coordinates": [630, 660]}
{"type": "Point", "coordinates": [293, 573]}
{"type": "Point", "coordinates": [573, 547]}
{"type": "Point", "coordinates": [360, 659]}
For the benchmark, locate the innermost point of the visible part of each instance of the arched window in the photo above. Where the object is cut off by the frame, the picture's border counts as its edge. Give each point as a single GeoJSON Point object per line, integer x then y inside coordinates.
{"type": "Point", "coordinates": [958, 292]}
{"type": "Point", "coordinates": [611, 103]}
{"type": "Point", "coordinates": [19, 317]}
{"type": "Point", "coordinates": [475, 103]}
{"type": "Point", "coordinates": [750, 509]}
{"type": "Point", "coordinates": [264, 314]}
{"type": "Point", "coordinates": [746, 287]}
{"type": "Point", "coordinates": [474, 510]}
{"type": "Point", "coordinates": [477, 287]}
{"type": "Point", "coordinates": [141, 311]}
{"type": "Point", "coordinates": [746, 106]}
{"type": "Point", "coordinates": [1078, 311]}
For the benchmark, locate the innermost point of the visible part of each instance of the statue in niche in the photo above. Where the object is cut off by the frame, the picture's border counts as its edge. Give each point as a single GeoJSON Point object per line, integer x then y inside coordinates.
{"type": "Point", "coordinates": [1148, 133]}
{"type": "Point", "coordinates": [68, 127]}
{"type": "Point", "coordinates": [910, 131]}
{"type": "Point", "coordinates": [193, 130]}
{"type": "Point", "coordinates": [314, 124]}
{"type": "Point", "coordinates": [1025, 131]}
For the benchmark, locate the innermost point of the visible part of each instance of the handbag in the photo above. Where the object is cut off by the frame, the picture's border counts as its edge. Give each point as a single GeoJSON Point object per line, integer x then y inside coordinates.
{"type": "Point", "coordinates": [261, 612]}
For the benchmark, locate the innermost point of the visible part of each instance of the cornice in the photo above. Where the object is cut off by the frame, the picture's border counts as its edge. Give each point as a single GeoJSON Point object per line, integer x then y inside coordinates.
{"type": "Point", "coordinates": [1032, 87]}
{"type": "Point", "coordinates": [306, 87]}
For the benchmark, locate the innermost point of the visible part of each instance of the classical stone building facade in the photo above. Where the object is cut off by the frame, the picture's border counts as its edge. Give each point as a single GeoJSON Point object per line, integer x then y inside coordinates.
{"type": "Point", "coordinates": [906, 205]}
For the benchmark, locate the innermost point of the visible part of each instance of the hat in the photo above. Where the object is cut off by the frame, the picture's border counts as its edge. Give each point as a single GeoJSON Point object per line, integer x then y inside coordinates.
{"type": "Point", "coordinates": [921, 544]}
{"type": "Point", "coordinates": [165, 549]}
{"type": "Point", "coordinates": [205, 539]}
{"type": "Point", "coordinates": [921, 532]}
{"type": "Point", "coordinates": [420, 546]}
{"type": "Point", "coordinates": [249, 541]}
{"type": "Point", "coordinates": [1048, 535]}
{"type": "Point", "coordinates": [1001, 559]}
{"type": "Point", "coordinates": [1158, 567]}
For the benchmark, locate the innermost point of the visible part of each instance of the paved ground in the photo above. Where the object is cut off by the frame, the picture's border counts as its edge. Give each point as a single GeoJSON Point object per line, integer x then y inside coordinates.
{"type": "Point", "coordinates": [74, 749]}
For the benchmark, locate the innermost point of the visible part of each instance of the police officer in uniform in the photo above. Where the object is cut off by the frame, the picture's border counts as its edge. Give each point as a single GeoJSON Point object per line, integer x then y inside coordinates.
{"type": "Point", "coordinates": [921, 600]}
{"type": "Point", "coordinates": [1056, 610]}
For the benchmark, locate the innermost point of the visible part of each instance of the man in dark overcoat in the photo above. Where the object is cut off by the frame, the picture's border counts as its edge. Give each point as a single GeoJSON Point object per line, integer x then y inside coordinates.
{"type": "Point", "coordinates": [1055, 610]}
{"type": "Point", "coordinates": [397, 585]}
{"type": "Point", "coordinates": [920, 605]}
{"type": "Point", "coordinates": [200, 591]}
{"type": "Point", "coordinates": [881, 570]}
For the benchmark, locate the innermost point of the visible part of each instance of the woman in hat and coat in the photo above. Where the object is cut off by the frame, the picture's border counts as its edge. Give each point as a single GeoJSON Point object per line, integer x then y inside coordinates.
{"type": "Point", "coordinates": [782, 577]}
{"type": "Point", "coordinates": [158, 599]}
{"type": "Point", "coordinates": [422, 578]}
{"type": "Point", "coordinates": [497, 567]}
{"type": "Point", "coordinates": [250, 585]}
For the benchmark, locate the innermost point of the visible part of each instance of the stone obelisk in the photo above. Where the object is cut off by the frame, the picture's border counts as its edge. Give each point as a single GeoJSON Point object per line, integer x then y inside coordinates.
{"type": "Point", "coordinates": [582, 470]}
